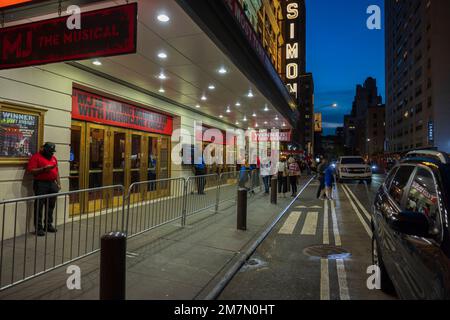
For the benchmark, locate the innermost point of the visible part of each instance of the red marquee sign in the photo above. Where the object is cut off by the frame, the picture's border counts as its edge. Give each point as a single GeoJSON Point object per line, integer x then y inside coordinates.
{"type": "Point", "coordinates": [105, 32]}
{"type": "Point", "coordinates": [93, 108]}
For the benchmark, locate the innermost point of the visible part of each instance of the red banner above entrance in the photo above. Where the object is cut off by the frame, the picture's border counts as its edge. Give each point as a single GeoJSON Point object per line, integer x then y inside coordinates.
{"type": "Point", "coordinates": [93, 108]}
{"type": "Point", "coordinates": [105, 32]}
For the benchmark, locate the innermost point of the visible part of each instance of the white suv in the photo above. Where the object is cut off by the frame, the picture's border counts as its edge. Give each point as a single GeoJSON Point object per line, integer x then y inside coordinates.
{"type": "Point", "coordinates": [353, 168]}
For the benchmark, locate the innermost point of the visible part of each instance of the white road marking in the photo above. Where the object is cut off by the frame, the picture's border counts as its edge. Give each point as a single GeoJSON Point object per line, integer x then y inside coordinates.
{"type": "Point", "coordinates": [342, 280]}
{"type": "Point", "coordinates": [359, 203]}
{"type": "Point", "coordinates": [337, 236]}
{"type": "Point", "coordinates": [324, 280]}
{"type": "Point", "coordinates": [326, 238]}
{"type": "Point", "coordinates": [363, 222]}
{"type": "Point", "coordinates": [290, 223]}
{"type": "Point", "coordinates": [310, 226]}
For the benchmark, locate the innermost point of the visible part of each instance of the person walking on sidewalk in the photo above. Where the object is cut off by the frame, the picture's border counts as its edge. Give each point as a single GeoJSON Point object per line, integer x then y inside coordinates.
{"type": "Point", "coordinates": [282, 177]}
{"type": "Point", "coordinates": [294, 173]}
{"type": "Point", "coordinates": [321, 176]}
{"type": "Point", "coordinates": [265, 167]}
{"type": "Point", "coordinates": [44, 167]}
{"type": "Point", "coordinates": [200, 172]}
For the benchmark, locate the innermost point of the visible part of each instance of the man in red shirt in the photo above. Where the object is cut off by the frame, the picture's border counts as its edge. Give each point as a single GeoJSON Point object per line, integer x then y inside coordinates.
{"type": "Point", "coordinates": [44, 167]}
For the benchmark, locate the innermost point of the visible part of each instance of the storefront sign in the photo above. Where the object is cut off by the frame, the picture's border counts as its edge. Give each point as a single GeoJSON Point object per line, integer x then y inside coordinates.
{"type": "Point", "coordinates": [20, 133]}
{"type": "Point", "coordinates": [10, 3]}
{"type": "Point", "coordinates": [430, 132]}
{"type": "Point", "coordinates": [293, 46]}
{"type": "Point", "coordinates": [104, 32]}
{"type": "Point", "coordinates": [266, 136]}
{"type": "Point", "coordinates": [93, 108]}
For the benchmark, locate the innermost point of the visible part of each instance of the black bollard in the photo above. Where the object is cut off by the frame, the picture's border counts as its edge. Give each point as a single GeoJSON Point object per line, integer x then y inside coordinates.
{"type": "Point", "coordinates": [242, 209]}
{"type": "Point", "coordinates": [273, 191]}
{"type": "Point", "coordinates": [113, 266]}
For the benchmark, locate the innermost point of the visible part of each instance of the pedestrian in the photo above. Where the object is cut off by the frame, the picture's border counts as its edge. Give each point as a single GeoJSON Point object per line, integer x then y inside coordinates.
{"type": "Point", "coordinates": [321, 177]}
{"type": "Point", "coordinates": [282, 177]}
{"type": "Point", "coordinates": [265, 167]}
{"type": "Point", "coordinates": [328, 182]}
{"type": "Point", "coordinates": [294, 173]}
{"type": "Point", "coordinates": [44, 167]}
{"type": "Point", "coordinates": [200, 172]}
{"type": "Point", "coordinates": [243, 175]}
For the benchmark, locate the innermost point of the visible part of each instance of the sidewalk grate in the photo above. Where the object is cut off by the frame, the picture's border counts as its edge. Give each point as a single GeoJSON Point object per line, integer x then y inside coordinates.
{"type": "Point", "coordinates": [326, 252]}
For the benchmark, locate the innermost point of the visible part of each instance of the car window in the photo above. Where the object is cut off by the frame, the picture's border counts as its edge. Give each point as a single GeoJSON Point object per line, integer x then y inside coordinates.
{"type": "Point", "coordinates": [399, 183]}
{"type": "Point", "coordinates": [423, 198]}
{"type": "Point", "coordinates": [391, 176]}
{"type": "Point", "coordinates": [355, 160]}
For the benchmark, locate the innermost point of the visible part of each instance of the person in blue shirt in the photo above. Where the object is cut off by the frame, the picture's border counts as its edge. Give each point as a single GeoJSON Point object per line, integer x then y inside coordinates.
{"type": "Point", "coordinates": [328, 179]}
{"type": "Point", "coordinates": [200, 172]}
{"type": "Point", "coordinates": [243, 175]}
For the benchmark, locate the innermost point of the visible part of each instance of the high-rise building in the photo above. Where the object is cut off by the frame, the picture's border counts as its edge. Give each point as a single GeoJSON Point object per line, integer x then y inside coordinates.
{"type": "Point", "coordinates": [366, 121]}
{"type": "Point", "coordinates": [417, 74]}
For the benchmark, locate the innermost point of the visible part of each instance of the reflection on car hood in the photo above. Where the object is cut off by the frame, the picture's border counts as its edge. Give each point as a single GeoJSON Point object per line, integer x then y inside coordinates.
{"type": "Point", "coordinates": [356, 166]}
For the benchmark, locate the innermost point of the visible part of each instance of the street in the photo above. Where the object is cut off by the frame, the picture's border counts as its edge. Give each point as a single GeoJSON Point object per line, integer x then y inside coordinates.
{"type": "Point", "coordinates": [319, 250]}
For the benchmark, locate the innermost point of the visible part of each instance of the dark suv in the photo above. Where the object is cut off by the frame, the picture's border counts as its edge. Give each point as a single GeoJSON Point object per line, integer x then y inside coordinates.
{"type": "Point", "coordinates": [410, 224]}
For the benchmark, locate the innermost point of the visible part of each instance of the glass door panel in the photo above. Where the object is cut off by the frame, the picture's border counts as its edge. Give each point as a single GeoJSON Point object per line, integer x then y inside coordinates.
{"type": "Point", "coordinates": [152, 162]}
{"type": "Point", "coordinates": [164, 165]}
{"type": "Point", "coordinates": [96, 158]}
{"type": "Point", "coordinates": [118, 157]}
{"type": "Point", "coordinates": [135, 158]}
{"type": "Point", "coordinates": [76, 162]}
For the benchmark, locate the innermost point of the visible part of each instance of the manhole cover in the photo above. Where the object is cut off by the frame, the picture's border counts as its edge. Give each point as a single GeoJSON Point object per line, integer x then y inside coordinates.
{"type": "Point", "coordinates": [326, 252]}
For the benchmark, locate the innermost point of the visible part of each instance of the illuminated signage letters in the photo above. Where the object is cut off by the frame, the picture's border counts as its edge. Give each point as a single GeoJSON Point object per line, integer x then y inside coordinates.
{"type": "Point", "coordinates": [292, 47]}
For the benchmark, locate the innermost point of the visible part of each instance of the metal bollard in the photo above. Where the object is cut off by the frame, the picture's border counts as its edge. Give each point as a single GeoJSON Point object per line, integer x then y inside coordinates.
{"type": "Point", "coordinates": [242, 209]}
{"type": "Point", "coordinates": [113, 266]}
{"type": "Point", "coordinates": [273, 191]}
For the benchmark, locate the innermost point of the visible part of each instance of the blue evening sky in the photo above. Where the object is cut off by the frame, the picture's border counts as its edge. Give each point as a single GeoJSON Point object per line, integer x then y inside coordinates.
{"type": "Point", "coordinates": [342, 52]}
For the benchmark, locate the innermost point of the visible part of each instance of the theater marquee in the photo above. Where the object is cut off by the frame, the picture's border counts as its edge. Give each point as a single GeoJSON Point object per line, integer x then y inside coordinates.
{"type": "Point", "coordinates": [105, 32]}
{"type": "Point", "coordinates": [292, 49]}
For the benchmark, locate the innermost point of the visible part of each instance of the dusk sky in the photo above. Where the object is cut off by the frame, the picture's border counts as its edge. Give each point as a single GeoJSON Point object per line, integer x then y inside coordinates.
{"type": "Point", "coordinates": [341, 53]}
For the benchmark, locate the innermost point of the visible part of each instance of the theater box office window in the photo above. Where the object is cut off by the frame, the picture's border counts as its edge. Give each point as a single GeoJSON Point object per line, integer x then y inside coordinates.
{"type": "Point", "coordinates": [21, 133]}
{"type": "Point", "coordinates": [114, 142]}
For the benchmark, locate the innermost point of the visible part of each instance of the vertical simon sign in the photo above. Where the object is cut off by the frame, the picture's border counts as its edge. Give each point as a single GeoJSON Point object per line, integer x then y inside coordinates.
{"type": "Point", "coordinates": [295, 42]}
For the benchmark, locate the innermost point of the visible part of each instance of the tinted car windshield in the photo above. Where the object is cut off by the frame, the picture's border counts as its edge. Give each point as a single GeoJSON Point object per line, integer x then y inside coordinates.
{"type": "Point", "coordinates": [352, 161]}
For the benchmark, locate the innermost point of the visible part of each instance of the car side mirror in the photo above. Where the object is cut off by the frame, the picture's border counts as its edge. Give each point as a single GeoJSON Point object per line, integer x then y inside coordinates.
{"type": "Point", "coordinates": [411, 223]}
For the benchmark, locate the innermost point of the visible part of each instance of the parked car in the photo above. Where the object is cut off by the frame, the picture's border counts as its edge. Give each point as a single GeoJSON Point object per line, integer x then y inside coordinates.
{"type": "Point", "coordinates": [353, 168]}
{"type": "Point", "coordinates": [410, 224]}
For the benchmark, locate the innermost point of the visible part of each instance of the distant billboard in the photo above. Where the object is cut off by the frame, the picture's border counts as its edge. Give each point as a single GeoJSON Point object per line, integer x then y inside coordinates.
{"type": "Point", "coordinates": [318, 122]}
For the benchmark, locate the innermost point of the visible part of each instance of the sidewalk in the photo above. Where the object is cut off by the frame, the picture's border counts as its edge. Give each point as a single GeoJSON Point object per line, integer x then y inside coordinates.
{"type": "Point", "coordinates": [169, 262]}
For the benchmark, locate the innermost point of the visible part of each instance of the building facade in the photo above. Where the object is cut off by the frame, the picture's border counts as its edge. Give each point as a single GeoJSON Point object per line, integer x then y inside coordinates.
{"type": "Point", "coordinates": [417, 75]}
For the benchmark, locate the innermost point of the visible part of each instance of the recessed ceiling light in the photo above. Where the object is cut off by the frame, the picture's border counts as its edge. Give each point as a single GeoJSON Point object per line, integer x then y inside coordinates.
{"type": "Point", "coordinates": [162, 90]}
{"type": "Point", "coordinates": [256, 125]}
{"type": "Point", "coordinates": [221, 116]}
{"type": "Point", "coordinates": [163, 18]}
{"type": "Point", "coordinates": [245, 119]}
{"type": "Point", "coordinates": [197, 106]}
{"type": "Point", "coordinates": [266, 108]}
{"type": "Point", "coordinates": [222, 70]}
{"type": "Point", "coordinates": [211, 87]}
{"type": "Point", "coordinates": [228, 110]}
{"type": "Point", "coordinates": [162, 76]}
{"type": "Point", "coordinates": [237, 122]}
{"type": "Point", "coordinates": [250, 94]}
{"type": "Point", "coordinates": [284, 124]}
{"type": "Point", "coordinates": [97, 62]}
{"type": "Point", "coordinates": [265, 122]}
{"type": "Point", "coordinates": [254, 114]}
{"type": "Point", "coordinates": [203, 98]}
{"type": "Point", "coordinates": [162, 55]}
{"type": "Point", "coordinates": [276, 118]}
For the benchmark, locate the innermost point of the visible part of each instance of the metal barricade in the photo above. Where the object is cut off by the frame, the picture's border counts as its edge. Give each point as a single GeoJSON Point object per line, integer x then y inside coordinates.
{"type": "Point", "coordinates": [81, 217]}
{"type": "Point", "coordinates": [201, 193]}
{"type": "Point", "coordinates": [151, 204]}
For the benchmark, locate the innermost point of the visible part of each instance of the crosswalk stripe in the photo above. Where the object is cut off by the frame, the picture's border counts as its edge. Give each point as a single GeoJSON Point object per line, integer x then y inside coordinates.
{"type": "Point", "coordinates": [342, 280]}
{"type": "Point", "coordinates": [337, 236]}
{"type": "Point", "coordinates": [310, 226]}
{"type": "Point", "coordinates": [290, 223]}
{"type": "Point", "coordinates": [326, 238]}
{"type": "Point", "coordinates": [324, 280]}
